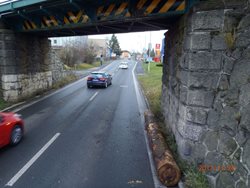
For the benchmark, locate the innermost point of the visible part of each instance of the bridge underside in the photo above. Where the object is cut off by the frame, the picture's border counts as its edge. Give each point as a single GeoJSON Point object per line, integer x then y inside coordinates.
{"type": "Point", "coordinates": [76, 17]}
{"type": "Point", "coordinates": [109, 27]}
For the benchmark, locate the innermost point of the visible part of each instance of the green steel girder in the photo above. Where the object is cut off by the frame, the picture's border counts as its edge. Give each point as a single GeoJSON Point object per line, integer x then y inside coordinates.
{"type": "Point", "coordinates": [47, 17]}
{"type": "Point", "coordinates": [18, 4]}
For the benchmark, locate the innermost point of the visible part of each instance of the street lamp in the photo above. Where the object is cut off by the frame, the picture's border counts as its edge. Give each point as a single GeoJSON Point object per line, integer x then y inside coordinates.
{"type": "Point", "coordinates": [149, 51]}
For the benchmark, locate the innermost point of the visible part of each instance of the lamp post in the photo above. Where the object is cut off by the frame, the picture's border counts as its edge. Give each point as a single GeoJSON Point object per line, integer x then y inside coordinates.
{"type": "Point", "coordinates": [149, 51]}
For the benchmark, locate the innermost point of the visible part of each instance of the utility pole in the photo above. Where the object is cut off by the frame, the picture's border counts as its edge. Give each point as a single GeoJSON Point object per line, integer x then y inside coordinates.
{"type": "Point", "coordinates": [150, 45]}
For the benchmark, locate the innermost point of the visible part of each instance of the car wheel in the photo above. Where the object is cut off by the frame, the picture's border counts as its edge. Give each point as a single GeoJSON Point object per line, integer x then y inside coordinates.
{"type": "Point", "coordinates": [106, 84]}
{"type": "Point", "coordinates": [88, 86]}
{"type": "Point", "coordinates": [16, 135]}
{"type": "Point", "coordinates": [110, 82]}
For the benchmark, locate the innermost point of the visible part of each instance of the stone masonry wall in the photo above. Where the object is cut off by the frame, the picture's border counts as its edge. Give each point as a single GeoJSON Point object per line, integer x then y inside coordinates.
{"type": "Point", "coordinates": [56, 66]}
{"type": "Point", "coordinates": [17, 86]}
{"type": "Point", "coordinates": [206, 89]}
{"type": "Point", "coordinates": [24, 65]}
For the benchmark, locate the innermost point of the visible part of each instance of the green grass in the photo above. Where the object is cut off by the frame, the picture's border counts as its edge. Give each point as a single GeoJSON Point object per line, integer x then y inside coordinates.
{"type": "Point", "coordinates": [195, 179]}
{"type": "Point", "coordinates": [82, 66]}
{"type": "Point", "coordinates": [66, 67]}
{"type": "Point", "coordinates": [3, 104]}
{"type": "Point", "coordinates": [66, 80]}
{"type": "Point", "coordinates": [151, 83]}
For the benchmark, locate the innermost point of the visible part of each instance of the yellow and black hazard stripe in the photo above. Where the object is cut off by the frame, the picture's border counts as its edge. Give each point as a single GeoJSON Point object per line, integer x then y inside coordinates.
{"type": "Point", "coordinates": [145, 6]}
{"type": "Point", "coordinates": [113, 10]}
{"type": "Point", "coordinates": [29, 25]}
{"type": "Point", "coordinates": [75, 17]}
{"type": "Point", "coordinates": [49, 21]}
{"type": "Point", "coordinates": [160, 6]}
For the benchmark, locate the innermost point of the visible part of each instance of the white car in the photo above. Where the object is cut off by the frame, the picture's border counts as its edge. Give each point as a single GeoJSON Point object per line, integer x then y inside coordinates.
{"type": "Point", "coordinates": [123, 65]}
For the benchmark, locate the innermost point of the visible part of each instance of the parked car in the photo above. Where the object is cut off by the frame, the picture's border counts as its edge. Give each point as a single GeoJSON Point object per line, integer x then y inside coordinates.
{"type": "Point", "coordinates": [11, 129]}
{"type": "Point", "coordinates": [99, 79]}
{"type": "Point", "coordinates": [123, 65]}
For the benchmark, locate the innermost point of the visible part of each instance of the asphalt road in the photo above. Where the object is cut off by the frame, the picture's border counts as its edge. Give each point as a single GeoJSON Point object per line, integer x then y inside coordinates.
{"type": "Point", "coordinates": [80, 137]}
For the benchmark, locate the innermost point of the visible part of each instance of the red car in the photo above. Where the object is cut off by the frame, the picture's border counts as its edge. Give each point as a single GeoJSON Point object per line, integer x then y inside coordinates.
{"type": "Point", "coordinates": [11, 129]}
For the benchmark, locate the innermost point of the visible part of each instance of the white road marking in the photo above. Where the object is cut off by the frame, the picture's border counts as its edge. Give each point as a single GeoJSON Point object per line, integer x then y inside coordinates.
{"type": "Point", "coordinates": [20, 103]}
{"type": "Point", "coordinates": [92, 98]}
{"type": "Point", "coordinates": [124, 86]}
{"type": "Point", "coordinates": [32, 161]}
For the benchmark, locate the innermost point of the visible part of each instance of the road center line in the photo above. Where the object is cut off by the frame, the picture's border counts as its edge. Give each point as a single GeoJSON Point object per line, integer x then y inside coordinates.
{"type": "Point", "coordinates": [31, 161]}
{"type": "Point", "coordinates": [124, 86]}
{"type": "Point", "coordinates": [92, 98]}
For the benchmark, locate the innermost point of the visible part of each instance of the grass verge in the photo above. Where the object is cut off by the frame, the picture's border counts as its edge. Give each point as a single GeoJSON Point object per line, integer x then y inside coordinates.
{"type": "Point", "coordinates": [66, 80]}
{"type": "Point", "coordinates": [83, 66]}
{"type": "Point", "coordinates": [3, 104]}
{"type": "Point", "coordinates": [151, 84]}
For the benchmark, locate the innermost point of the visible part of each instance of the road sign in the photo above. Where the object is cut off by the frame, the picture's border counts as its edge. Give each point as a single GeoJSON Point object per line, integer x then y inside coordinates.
{"type": "Point", "coordinates": [157, 46]}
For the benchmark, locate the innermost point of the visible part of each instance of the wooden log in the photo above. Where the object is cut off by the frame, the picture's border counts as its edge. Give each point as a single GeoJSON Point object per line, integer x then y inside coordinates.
{"type": "Point", "coordinates": [168, 171]}
{"type": "Point", "coordinates": [149, 117]}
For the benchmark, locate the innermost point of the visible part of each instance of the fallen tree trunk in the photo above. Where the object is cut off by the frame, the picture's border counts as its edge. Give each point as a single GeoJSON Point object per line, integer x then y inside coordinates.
{"type": "Point", "coordinates": [168, 172]}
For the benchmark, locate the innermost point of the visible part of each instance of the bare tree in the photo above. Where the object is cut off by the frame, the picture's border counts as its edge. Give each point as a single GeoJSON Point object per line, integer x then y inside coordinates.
{"type": "Point", "coordinates": [90, 53]}
{"type": "Point", "coordinates": [76, 52]}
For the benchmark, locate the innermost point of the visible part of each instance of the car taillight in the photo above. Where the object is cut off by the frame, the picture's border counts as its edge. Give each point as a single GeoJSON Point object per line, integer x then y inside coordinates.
{"type": "Point", "coordinates": [102, 79]}
{"type": "Point", "coordinates": [90, 78]}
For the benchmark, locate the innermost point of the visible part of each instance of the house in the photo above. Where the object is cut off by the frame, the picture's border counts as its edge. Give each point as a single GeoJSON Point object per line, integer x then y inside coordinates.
{"type": "Point", "coordinates": [100, 46]}
{"type": "Point", "coordinates": [125, 54]}
{"type": "Point", "coordinates": [62, 41]}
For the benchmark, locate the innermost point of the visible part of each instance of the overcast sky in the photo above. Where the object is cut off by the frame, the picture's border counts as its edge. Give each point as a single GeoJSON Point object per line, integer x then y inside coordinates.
{"type": "Point", "coordinates": [6, 0]}
{"type": "Point", "coordinates": [136, 41]}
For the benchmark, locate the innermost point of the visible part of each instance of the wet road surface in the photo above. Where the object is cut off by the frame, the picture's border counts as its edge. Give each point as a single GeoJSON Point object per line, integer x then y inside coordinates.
{"type": "Point", "coordinates": [80, 137]}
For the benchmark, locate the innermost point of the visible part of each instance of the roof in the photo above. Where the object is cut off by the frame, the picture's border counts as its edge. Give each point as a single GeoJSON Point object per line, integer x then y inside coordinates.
{"type": "Point", "coordinates": [98, 72]}
{"type": "Point", "coordinates": [125, 51]}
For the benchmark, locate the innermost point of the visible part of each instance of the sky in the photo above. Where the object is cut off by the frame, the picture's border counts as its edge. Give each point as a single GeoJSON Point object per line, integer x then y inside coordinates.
{"type": "Point", "coordinates": [135, 41]}
{"type": "Point", "coordinates": [2, 1]}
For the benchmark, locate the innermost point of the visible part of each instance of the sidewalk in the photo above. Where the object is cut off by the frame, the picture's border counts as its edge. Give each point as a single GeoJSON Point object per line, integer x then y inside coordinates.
{"type": "Point", "coordinates": [139, 69]}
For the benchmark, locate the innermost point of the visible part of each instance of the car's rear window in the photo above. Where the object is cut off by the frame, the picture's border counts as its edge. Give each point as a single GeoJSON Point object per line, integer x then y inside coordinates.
{"type": "Point", "coordinates": [98, 75]}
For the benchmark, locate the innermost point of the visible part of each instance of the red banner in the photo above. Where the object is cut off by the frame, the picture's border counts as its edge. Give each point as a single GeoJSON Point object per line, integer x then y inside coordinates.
{"type": "Point", "coordinates": [157, 46]}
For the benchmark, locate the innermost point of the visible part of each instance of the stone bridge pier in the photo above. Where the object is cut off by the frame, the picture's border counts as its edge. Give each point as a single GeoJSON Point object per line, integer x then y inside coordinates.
{"type": "Point", "coordinates": [24, 65]}
{"type": "Point", "coordinates": [206, 89]}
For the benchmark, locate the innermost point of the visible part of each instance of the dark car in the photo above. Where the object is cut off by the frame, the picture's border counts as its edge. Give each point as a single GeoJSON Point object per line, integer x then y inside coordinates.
{"type": "Point", "coordinates": [102, 79]}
